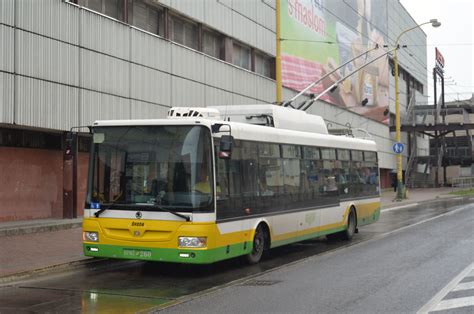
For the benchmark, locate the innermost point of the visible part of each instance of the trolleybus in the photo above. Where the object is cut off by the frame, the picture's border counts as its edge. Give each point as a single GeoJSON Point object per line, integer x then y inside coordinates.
{"type": "Point", "coordinates": [196, 188]}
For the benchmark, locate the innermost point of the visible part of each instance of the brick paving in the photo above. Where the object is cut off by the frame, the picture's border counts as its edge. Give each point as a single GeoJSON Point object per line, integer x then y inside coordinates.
{"type": "Point", "coordinates": [34, 251]}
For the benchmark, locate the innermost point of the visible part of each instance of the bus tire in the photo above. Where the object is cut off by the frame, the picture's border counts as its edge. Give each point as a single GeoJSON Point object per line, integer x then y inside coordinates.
{"type": "Point", "coordinates": [351, 225]}
{"type": "Point", "coordinates": [260, 241]}
{"type": "Point", "coordinates": [350, 230]}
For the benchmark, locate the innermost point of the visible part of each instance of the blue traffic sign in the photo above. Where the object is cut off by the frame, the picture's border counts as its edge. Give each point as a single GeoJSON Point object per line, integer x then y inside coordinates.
{"type": "Point", "coordinates": [398, 148]}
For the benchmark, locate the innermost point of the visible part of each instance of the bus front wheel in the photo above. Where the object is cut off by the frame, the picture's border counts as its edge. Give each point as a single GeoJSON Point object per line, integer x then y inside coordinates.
{"type": "Point", "coordinates": [259, 244]}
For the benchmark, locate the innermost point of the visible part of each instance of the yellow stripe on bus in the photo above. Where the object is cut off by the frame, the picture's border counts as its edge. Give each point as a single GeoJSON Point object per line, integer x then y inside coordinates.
{"type": "Point", "coordinates": [164, 234]}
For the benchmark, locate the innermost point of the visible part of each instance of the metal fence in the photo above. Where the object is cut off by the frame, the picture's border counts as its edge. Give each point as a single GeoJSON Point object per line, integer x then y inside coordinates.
{"type": "Point", "coordinates": [462, 182]}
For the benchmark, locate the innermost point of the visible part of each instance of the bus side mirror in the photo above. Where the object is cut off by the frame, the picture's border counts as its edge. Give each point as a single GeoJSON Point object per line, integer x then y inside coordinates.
{"type": "Point", "coordinates": [225, 148]}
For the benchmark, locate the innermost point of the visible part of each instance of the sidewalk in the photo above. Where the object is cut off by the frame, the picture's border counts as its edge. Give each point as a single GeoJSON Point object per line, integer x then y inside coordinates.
{"type": "Point", "coordinates": [29, 246]}
{"type": "Point", "coordinates": [416, 196]}
{"type": "Point", "coordinates": [39, 245]}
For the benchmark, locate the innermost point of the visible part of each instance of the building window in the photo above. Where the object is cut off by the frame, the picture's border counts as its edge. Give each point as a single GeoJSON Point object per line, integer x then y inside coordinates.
{"type": "Point", "coordinates": [112, 8]}
{"type": "Point", "coordinates": [212, 44]}
{"type": "Point", "coordinates": [263, 64]}
{"type": "Point", "coordinates": [392, 119]}
{"type": "Point", "coordinates": [241, 56]}
{"type": "Point", "coordinates": [419, 87]}
{"type": "Point", "coordinates": [184, 32]}
{"type": "Point", "coordinates": [147, 15]}
{"type": "Point", "coordinates": [30, 139]}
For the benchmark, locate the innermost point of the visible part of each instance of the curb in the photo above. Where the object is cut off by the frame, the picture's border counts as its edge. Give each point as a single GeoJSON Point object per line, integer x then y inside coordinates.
{"type": "Point", "coordinates": [88, 262]}
{"type": "Point", "coordinates": [455, 199]}
{"type": "Point", "coordinates": [408, 203]}
{"type": "Point", "coordinates": [48, 269]}
{"type": "Point", "coordinates": [38, 228]}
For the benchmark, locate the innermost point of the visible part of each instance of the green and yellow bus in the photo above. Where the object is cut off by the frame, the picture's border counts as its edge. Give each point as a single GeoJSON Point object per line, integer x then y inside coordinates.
{"type": "Point", "coordinates": [199, 189]}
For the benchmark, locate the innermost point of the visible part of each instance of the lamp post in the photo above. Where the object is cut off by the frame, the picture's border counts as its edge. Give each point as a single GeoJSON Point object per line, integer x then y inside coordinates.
{"type": "Point", "coordinates": [400, 188]}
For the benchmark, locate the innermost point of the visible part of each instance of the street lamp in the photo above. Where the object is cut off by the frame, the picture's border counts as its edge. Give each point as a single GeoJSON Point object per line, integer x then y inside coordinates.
{"type": "Point", "coordinates": [400, 188]}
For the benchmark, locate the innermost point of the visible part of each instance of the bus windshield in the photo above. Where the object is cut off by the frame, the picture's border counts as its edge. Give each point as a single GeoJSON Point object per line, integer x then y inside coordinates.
{"type": "Point", "coordinates": [159, 167]}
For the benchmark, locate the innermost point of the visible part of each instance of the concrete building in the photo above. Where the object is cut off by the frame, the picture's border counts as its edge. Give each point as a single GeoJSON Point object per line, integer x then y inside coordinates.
{"type": "Point", "coordinates": [456, 146]}
{"type": "Point", "coordinates": [68, 63]}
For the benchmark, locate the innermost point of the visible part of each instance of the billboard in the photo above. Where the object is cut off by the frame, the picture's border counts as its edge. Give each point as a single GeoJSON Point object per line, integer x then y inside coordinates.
{"type": "Point", "coordinates": [317, 36]}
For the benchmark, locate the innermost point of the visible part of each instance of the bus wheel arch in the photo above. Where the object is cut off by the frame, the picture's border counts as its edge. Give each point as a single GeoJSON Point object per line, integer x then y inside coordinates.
{"type": "Point", "coordinates": [356, 219]}
{"type": "Point", "coordinates": [351, 227]}
{"type": "Point", "coordinates": [261, 243]}
{"type": "Point", "coordinates": [351, 224]}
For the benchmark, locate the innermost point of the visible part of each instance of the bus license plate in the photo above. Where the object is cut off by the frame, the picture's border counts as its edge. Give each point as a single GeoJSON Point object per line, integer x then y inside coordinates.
{"type": "Point", "coordinates": [137, 253]}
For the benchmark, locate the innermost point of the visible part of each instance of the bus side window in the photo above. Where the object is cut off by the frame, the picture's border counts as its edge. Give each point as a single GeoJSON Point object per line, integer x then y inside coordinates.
{"type": "Point", "coordinates": [292, 171]}
{"type": "Point", "coordinates": [249, 168]}
{"type": "Point", "coordinates": [330, 187]}
{"type": "Point", "coordinates": [357, 180]}
{"type": "Point", "coordinates": [312, 173]}
{"type": "Point", "coordinates": [343, 172]}
{"type": "Point", "coordinates": [229, 182]}
{"type": "Point", "coordinates": [222, 184]}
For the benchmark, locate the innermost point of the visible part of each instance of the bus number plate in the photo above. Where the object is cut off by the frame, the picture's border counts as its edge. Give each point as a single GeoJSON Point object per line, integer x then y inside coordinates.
{"type": "Point", "coordinates": [137, 253]}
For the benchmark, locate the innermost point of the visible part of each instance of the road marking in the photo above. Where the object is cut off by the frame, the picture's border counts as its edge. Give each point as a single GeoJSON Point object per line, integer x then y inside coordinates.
{"type": "Point", "coordinates": [471, 274]}
{"type": "Point", "coordinates": [437, 303]}
{"type": "Point", "coordinates": [454, 303]}
{"type": "Point", "coordinates": [399, 207]}
{"type": "Point", "coordinates": [464, 286]}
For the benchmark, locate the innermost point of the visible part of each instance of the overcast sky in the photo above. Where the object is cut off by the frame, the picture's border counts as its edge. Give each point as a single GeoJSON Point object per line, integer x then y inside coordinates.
{"type": "Point", "coordinates": [454, 38]}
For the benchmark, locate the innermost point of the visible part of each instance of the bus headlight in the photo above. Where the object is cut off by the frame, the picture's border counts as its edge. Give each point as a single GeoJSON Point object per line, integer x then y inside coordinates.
{"type": "Point", "coordinates": [90, 236]}
{"type": "Point", "coordinates": [192, 242]}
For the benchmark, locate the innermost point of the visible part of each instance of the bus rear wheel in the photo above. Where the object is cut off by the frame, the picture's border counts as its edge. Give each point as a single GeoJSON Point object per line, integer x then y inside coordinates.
{"type": "Point", "coordinates": [350, 230]}
{"type": "Point", "coordinates": [351, 225]}
{"type": "Point", "coordinates": [259, 244]}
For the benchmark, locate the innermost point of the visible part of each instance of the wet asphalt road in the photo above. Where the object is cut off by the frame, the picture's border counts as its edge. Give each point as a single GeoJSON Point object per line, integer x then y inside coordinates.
{"type": "Point", "coordinates": [130, 286]}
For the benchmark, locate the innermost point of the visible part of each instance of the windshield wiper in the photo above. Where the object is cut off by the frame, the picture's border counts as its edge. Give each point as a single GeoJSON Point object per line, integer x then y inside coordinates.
{"type": "Point", "coordinates": [100, 211]}
{"type": "Point", "coordinates": [130, 206]}
{"type": "Point", "coordinates": [186, 217]}
{"type": "Point", "coordinates": [104, 207]}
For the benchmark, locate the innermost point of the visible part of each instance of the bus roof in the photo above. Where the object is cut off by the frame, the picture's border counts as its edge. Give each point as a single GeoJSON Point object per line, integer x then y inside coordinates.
{"type": "Point", "coordinates": [245, 131]}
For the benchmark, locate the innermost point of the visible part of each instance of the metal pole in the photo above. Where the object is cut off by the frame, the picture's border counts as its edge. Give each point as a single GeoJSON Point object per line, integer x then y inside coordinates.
{"type": "Point", "coordinates": [443, 142]}
{"type": "Point", "coordinates": [400, 187]}
{"type": "Point", "coordinates": [278, 54]}
{"type": "Point", "coordinates": [436, 132]}
{"type": "Point", "coordinates": [75, 151]}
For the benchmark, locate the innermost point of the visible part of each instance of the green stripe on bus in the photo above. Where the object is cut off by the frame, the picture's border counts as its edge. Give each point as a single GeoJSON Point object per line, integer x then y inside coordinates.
{"type": "Point", "coordinates": [165, 254]}
{"type": "Point", "coordinates": [306, 236]}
